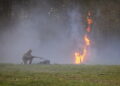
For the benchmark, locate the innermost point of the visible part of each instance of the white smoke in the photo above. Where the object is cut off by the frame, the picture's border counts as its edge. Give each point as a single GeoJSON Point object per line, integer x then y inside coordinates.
{"type": "Point", "coordinates": [53, 34]}
{"type": "Point", "coordinates": [36, 29]}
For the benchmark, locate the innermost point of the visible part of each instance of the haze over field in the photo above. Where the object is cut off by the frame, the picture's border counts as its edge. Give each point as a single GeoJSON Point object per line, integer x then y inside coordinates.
{"type": "Point", "coordinates": [54, 29]}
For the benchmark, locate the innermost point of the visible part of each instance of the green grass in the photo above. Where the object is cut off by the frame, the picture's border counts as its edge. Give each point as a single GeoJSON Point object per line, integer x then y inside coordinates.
{"type": "Point", "coordinates": [59, 75]}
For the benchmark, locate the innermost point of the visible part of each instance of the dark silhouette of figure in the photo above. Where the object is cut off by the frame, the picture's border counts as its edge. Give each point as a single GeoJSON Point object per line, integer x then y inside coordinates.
{"type": "Point", "coordinates": [27, 57]}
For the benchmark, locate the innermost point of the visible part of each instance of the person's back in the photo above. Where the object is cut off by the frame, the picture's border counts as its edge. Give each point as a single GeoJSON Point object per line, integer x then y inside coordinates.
{"type": "Point", "coordinates": [28, 54]}
{"type": "Point", "coordinates": [27, 57]}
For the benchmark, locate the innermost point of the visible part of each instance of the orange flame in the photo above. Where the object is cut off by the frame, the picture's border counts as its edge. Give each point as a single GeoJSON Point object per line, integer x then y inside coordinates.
{"type": "Point", "coordinates": [88, 29]}
{"type": "Point", "coordinates": [89, 20]}
{"type": "Point", "coordinates": [80, 57]}
{"type": "Point", "coordinates": [77, 58]}
{"type": "Point", "coordinates": [87, 41]}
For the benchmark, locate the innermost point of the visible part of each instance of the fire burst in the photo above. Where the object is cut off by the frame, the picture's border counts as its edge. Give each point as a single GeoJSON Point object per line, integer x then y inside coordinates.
{"type": "Point", "coordinates": [80, 57]}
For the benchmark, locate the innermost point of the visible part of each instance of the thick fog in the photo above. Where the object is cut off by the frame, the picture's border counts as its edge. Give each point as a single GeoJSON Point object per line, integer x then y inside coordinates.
{"type": "Point", "coordinates": [54, 32]}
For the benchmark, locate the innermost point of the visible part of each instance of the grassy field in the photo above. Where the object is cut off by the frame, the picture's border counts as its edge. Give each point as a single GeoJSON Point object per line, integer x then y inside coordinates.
{"type": "Point", "coordinates": [59, 75]}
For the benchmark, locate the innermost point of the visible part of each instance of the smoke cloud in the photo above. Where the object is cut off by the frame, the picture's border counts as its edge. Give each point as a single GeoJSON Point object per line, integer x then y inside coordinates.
{"type": "Point", "coordinates": [53, 31]}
